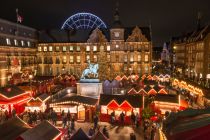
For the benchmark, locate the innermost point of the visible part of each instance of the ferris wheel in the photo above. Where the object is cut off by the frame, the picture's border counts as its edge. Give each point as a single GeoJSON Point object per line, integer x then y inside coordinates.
{"type": "Point", "coordinates": [83, 21]}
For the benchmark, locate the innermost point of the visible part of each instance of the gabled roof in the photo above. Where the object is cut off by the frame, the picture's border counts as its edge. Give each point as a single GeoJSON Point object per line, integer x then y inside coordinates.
{"type": "Point", "coordinates": [12, 129]}
{"type": "Point", "coordinates": [82, 35]}
{"type": "Point", "coordinates": [11, 91]}
{"type": "Point", "coordinates": [43, 97]}
{"type": "Point", "coordinates": [80, 135]}
{"type": "Point", "coordinates": [43, 131]}
{"type": "Point", "coordinates": [34, 102]}
{"type": "Point", "coordinates": [134, 100]}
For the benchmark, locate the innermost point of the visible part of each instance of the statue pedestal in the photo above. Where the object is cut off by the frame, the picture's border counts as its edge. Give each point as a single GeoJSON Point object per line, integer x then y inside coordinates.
{"type": "Point", "coordinates": [89, 87]}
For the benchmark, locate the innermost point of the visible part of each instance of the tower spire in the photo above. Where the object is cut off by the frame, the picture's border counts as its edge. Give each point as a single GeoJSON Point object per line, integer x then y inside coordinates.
{"type": "Point", "coordinates": [117, 22]}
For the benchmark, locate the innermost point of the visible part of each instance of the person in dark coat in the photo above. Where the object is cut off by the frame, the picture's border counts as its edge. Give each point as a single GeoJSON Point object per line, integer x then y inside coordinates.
{"type": "Point", "coordinates": [133, 118]}
{"type": "Point", "coordinates": [95, 120]}
{"type": "Point", "coordinates": [122, 115]}
{"type": "Point", "coordinates": [64, 121]}
{"type": "Point", "coordinates": [105, 132]}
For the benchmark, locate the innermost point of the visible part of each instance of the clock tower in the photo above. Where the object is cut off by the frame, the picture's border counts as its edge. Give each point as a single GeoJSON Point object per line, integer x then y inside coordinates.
{"type": "Point", "coordinates": [117, 32]}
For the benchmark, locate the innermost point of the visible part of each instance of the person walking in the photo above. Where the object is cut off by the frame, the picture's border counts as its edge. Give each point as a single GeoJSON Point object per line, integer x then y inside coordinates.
{"type": "Point", "coordinates": [64, 121]}
{"type": "Point", "coordinates": [72, 123]}
{"type": "Point", "coordinates": [137, 119]}
{"type": "Point", "coordinates": [105, 132]}
{"type": "Point", "coordinates": [68, 117]}
{"type": "Point", "coordinates": [133, 118]}
{"type": "Point", "coordinates": [95, 120]}
{"type": "Point", "coordinates": [122, 115]}
{"type": "Point", "coordinates": [112, 118]}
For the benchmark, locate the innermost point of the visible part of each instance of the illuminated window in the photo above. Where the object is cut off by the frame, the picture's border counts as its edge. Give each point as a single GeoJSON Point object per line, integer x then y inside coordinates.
{"type": "Point", "coordinates": [139, 58]}
{"type": "Point", "coordinates": [131, 57]}
{"type": "Point", "coordinates": [101, 48]}
{"type": "Point", "coordinates": [29, 44]}
{"type": "Point", "coordinates": [146, 58]}
{"type": "Point", "coordinates": [95, 58]}
{"type": "Point", "coordinates": [57, 49]}
{"type": "Point", "coordinates": [87, 57]}
{"type": "Point", "coordinates": [117, 46]}
{"type": "Point", "coordinates": [108, 57]}
{"type": "Point", "coordinates": [88, 48]}
{"type": "Point", "coordinates": [78, 48]}
{"type": "Point", "coordinates": [22, 43]}
{"type": "Point", "coordinates": [39, 49]}
{"type": "Point", "coordinates": [45, 48]}
{"type": "Point", "coordinates": [125, 58]}
{"type": "Point", "coordinates": [108, 48]}
{"type": "Point", "coordinates": [64, 59]}
{"type": "Point", "coordinates": [50, 48]}
{"type": "Point", "coordinates": [94, 48]}
{"type": "Point", "coordinates": [64, 49]}
{"type": "Point", "coordinates": [8, 41]}
{"type": "Point", "coordinates": [71, 59]}
{"type": "Point", "coordinates": [16, 42]}
{"type": "Point", "coordinates": [71, 48]}
{"type": "Point", "coordinates": [78, 59]}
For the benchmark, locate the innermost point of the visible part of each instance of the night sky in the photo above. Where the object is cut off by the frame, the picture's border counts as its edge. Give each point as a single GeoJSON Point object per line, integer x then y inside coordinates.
{"type": "Point", "coordinates": [168, 17]}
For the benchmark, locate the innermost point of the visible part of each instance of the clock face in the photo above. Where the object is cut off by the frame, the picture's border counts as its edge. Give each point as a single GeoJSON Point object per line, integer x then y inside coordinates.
{"type": "Point", "coordinates": [116, 34]}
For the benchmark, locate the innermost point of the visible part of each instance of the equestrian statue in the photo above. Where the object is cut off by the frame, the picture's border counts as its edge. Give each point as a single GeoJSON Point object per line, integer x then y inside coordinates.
{"type": "Point", "coordinates": [91, 69]}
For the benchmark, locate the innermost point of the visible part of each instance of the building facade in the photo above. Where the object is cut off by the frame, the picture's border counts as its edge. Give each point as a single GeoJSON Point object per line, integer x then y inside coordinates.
{"type": "Point", "coordinates": [17, 50]}
{"type": "Point", "coordinates": [124, 52]}
{"type": "Point", "coordinates": [192, 56]}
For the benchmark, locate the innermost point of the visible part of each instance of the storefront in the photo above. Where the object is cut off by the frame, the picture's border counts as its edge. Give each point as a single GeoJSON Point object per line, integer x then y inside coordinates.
{"type": "Point", "coordinates": [13, 98]}
{"type": "Point", "coordinates": [81, 107]}
{"type": "Point", "coordinates": [118, 104]}
{"type": "Point", "coordinates": [38, 104]}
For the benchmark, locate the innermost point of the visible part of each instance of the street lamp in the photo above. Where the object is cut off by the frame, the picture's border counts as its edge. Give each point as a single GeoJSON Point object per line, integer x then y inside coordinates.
{"type": "Point", "coordinates": [30, 79]}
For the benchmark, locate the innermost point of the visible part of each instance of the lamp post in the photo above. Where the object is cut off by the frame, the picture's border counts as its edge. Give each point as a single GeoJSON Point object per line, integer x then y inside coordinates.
{"type": "Point", "coordinates": [30, 79]}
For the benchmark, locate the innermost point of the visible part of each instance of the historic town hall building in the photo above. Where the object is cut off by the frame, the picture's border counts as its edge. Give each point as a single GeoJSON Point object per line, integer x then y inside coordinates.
{"type": "Point", "coordinates": [53, 52]}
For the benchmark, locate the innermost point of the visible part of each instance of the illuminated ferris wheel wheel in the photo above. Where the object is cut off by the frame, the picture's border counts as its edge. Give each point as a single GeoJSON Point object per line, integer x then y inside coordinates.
{"type": "Point", "coordinates": [83, 21]}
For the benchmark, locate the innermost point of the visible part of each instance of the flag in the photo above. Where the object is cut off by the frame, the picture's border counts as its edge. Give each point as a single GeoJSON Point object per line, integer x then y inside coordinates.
{"type": "Point", "coordinates": [19, 18]}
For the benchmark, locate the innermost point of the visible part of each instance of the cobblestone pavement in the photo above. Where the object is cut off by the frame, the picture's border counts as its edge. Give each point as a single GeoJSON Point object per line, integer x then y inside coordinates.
{"type": "Point", "coordinates": [116, 132]}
